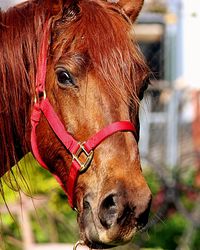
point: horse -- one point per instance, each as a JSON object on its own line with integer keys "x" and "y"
{"x": 71, "y": 81}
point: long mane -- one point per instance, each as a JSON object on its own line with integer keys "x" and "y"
{"x": 20, "y": 29}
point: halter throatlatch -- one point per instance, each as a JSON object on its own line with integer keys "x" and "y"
{"x": 42, "y": 106}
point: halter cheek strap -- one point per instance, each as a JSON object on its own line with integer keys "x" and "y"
{"x": 42, "y": 106}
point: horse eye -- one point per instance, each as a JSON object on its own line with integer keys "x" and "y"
{"x": 64, "y": 77}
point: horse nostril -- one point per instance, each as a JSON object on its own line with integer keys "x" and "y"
{"x": 108, "y": 211}
{"x": 108, "y": 202}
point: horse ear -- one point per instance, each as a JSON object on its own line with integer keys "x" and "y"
{"x": 131, "y": 7}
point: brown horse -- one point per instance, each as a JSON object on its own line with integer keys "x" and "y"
{"x": 75, "y": 67}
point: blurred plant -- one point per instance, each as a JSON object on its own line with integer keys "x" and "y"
{"x": 55, "y": 213}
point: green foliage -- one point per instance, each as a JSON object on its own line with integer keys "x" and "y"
{"x": 55, "y": 213}
{"x": 166, "y": 234}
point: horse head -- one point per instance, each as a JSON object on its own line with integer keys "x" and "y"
{"x": 95, "y": 77}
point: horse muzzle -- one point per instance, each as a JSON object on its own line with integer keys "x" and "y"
{"x": 114, "y": 221}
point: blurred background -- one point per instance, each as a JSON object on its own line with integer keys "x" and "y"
{"x": 38, "y": 217}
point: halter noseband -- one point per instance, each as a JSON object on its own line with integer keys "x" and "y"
{"x": 43, "y": 106}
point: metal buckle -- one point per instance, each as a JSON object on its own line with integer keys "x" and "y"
{"x": 40, "y": 95}
{"x": 89, "y": 156}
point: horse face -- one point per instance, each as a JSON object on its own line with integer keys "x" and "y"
{"x": 94, "y": 78}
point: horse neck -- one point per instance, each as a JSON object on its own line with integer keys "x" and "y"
{"x": 20, "y": 29}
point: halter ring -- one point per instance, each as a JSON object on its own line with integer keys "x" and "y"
{"x": 79, "y": 243}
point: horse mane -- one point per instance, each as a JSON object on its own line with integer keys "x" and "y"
{"x": 20, "y": 29}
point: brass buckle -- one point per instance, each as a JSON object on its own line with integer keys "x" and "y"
{"x": 89, "y": 156}
{"x": 41, "y": 95}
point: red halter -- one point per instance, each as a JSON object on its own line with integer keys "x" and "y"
{"x": 43, "y": 106}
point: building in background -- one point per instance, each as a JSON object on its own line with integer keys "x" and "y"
{"x": 167, "y": 32}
